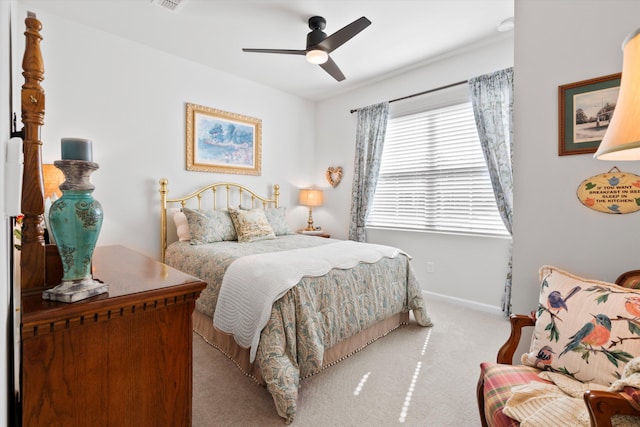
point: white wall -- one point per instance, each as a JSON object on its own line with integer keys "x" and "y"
{"x": 466, "y": 267}
{"x": 130, "y": 100}
{"x": 560, "y": 42}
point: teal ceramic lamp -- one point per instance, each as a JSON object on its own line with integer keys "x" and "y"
{"x": 75, "y": 220}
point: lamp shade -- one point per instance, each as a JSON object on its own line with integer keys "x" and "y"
{"x": 52, "y": 177}
{"x": 311, "y": 197}
{"x": 622, "y": 138}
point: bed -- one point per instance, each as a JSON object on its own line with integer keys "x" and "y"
{"x": 323, "y": 317}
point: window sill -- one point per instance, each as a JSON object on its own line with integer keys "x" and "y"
{"x": 450, "y": 233}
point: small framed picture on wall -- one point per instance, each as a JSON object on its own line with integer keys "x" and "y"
{"x": 585, "y": 109}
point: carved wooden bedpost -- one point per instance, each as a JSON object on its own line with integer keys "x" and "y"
{"x": 32, "y": 259}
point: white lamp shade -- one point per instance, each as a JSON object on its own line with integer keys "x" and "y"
{"x": 622, "y": 138}
{"x": 317, "y": 56}
{"x": 311, "y": 197}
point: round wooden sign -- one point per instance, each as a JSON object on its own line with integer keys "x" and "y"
{"x": 611, "y": 192}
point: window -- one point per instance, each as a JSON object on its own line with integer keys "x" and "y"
{"x": 433, "y": 175}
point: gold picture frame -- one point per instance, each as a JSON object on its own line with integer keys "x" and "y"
{"x": 223, "y": 142}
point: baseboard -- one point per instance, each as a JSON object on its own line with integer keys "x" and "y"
{"x": 493, "y": 309}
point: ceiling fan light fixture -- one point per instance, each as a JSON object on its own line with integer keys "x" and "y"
{"x": 319, "y": 45}
{"x": 317, "y": 56}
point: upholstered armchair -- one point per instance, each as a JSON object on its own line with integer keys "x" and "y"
{"x": 560, "y": 346}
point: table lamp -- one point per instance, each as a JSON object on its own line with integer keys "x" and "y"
{"x": 622, "y": 138}
{"x": 52, "y": 177}
{"x": 310, "y": 197}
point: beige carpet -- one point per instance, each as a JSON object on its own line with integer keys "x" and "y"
{"x": 412, "y": 377}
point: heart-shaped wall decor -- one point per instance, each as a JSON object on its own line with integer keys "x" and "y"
{"x": 334, "y": 175}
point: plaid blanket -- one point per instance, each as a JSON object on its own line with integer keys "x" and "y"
{"x": 632, "y": 394}
{"x": 502, "y": 382}
{"x": 498, "y": 381}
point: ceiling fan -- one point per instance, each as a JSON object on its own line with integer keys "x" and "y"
{"x": 319, "y": 45}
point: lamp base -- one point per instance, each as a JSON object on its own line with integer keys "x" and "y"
{"x": 310, "y": 226}
{"x": 75, "y": 290}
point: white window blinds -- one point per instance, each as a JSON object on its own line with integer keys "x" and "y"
{"x": 433, "y": 175}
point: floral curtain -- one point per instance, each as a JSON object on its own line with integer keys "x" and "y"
{"x": 372, "y": 125}
{"x": 492, "y": 99}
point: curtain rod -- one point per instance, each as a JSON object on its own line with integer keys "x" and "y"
{"x": 423, "y": 93}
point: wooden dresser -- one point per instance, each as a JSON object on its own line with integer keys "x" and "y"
{"x": 119, "y": 359}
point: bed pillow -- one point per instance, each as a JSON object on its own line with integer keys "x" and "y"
{"x": 225, "y": 225}
{"x": 182, "y": 225}
{"x": 209, "y": 226}
{"x": 586, "y": 329}
{"x": 278, "y": 220}
{"x": 251, "y": 225}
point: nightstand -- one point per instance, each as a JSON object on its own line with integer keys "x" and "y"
{"x": 120, "y": 358}
{"x": 325, "y": 235}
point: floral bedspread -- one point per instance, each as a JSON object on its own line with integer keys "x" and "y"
{"x": 315, "y": 315}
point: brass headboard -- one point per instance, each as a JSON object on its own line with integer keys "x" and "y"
{"x": 234, "y": 196}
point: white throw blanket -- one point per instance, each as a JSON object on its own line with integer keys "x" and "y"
{"x": 540, "y": 404}
{"x": 253, "y": 283}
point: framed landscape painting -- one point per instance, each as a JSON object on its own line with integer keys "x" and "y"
{"x": 585, "y": 109}
{"x": 218, "y": 141}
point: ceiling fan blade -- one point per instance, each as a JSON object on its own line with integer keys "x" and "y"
{"x": 285, "y": 51}
{"x": 343, "y": 35}
{"x": 331, "y": 68}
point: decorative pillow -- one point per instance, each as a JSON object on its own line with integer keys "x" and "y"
{"x": 278, "y": 220}
{"x": 209, "y": 226}
{"x": 586, "y": 329}
{"x": 251, "y": 225}
{"x": 182, "y": 225}
{"x": 225, "y": 225}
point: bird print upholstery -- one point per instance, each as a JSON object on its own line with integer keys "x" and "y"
{"x": 586, "y": 329}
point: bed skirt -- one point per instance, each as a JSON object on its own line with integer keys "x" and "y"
{"x": 203, "y": 326}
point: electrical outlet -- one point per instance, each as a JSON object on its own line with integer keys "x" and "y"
{"x": 430, "y": 267}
